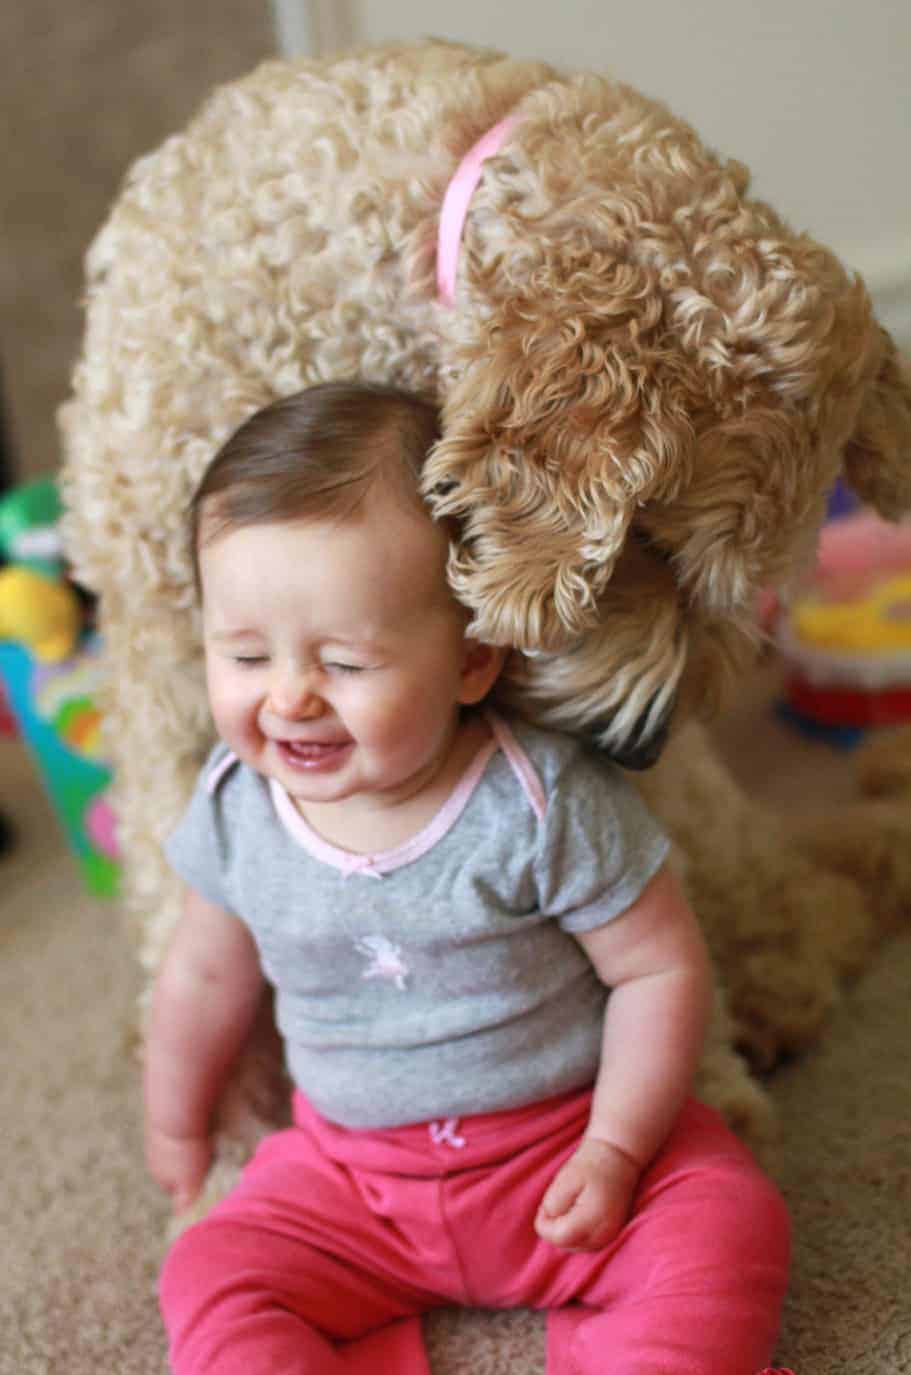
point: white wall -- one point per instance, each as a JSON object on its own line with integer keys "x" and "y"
{"x": 814, "y": 95}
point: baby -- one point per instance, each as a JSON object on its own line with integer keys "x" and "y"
{"x": 492, "y": 992}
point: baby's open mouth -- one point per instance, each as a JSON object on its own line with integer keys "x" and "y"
{"x": 310, "y": 754}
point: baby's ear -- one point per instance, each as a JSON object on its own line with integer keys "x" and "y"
{"x": 878, "y": 454}
{"x": 481, "y": 665}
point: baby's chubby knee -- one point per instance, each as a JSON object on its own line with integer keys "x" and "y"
{"x": 751, "y": 1218}
{"x": 183, "y": 1263}
{"x": 768, "y": 1212}
{"x": 708, "y": 1188}
{"x": 711, "y": 1182}
{"x": 198, "y": 1264}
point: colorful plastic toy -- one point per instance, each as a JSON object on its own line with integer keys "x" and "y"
{"x": 846, "y": 639}
{"x": 51, "y": 674}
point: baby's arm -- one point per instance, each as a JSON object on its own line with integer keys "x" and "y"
{"x": 654, "y": 960}
{"x": 204, "y": 1002}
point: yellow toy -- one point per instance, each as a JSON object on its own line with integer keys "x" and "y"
{"x": 874, "y": 621}
{"x": 40, "y": 613}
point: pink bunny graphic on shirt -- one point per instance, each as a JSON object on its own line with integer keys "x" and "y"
{"x": 386, "y": 960}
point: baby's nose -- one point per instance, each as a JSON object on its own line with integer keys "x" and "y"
{"x": 293, "y": 697}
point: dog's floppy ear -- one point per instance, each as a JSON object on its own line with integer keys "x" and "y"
{"x": 551, "y": 444}
{"x": 829, "y": 396}
{"x": 878, "y": 455}
{"x": 752, "y": 508}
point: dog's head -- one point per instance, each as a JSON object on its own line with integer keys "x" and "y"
{"x": 657, "y": 371}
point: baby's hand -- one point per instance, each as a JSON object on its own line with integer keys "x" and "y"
{"x": 178, "y": 1163}
{"x": 589, "y": 1200}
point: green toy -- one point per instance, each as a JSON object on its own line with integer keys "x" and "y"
{"x": 29, "y": 527}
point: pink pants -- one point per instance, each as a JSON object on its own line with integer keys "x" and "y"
{"x": 335, "y": 1241}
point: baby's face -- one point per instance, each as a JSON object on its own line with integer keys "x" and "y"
{"x": 335, "y": 651}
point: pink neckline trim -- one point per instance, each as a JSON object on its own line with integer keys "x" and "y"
{"x": 384, "y": 860}
{"x": 457, "y": 199}
{"x": 521, "y": 765}
{"x": 375, "y": 865}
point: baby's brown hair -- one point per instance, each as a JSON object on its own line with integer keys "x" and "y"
{"x": 315, "y": 454}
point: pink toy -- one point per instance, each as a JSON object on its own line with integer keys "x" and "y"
{"x": 861, "y": 548}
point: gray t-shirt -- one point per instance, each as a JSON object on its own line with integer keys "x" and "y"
{"x": 440, "y": 978}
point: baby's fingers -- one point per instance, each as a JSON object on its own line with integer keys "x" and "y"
{"x": 562, "y": 1194}
{"x": 586, "y": 1227}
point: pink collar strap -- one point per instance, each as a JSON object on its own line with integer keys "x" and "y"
{"x": 456, "y": 202}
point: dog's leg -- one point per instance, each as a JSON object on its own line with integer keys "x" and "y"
{"x": 785, "y": 923}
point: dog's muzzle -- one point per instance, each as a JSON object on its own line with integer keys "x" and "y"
{"x": 640, "y": 753}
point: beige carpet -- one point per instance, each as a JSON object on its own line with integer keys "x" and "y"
{"x": 83, "y": 1224}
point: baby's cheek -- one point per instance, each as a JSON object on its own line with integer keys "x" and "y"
{"x": 391, "y": 708}
{"x": 228, "y": 714}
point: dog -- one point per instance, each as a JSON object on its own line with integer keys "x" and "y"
{"x": 648, "y": 385}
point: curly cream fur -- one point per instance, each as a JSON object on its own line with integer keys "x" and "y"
{"x": 648, "y": 384}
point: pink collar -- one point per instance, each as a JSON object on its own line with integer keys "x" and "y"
{"x": 456, "y": 202}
